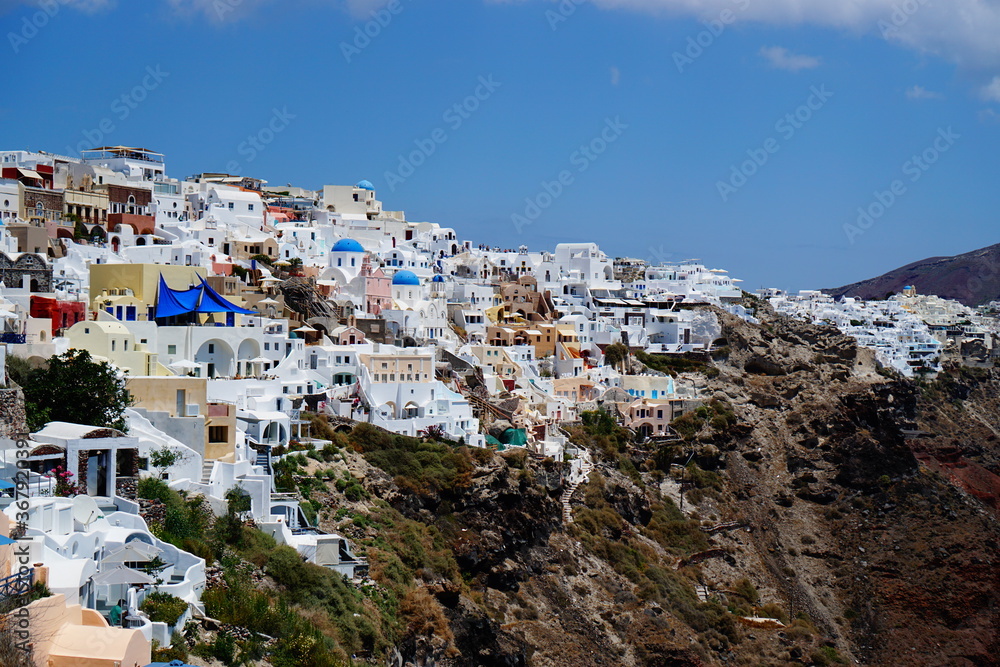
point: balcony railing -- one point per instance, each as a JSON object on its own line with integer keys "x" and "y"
{"x": 16, "y": 585}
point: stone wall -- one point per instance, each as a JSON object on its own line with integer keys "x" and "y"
{"x": 12, "y": 415}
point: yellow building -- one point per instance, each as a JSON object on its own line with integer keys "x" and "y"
{"x": 135, "y": 286}
{"x": 399, "y": 367}
{"x": 112, "y": 341}
{"x": 182, "y": 396}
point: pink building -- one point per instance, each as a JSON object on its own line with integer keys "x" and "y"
{"x": 378, "y": 290}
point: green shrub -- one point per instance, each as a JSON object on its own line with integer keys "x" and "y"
{"x": 417, "y": 466}
{"x": 176, "y": 651}
{"x": 746, "y": 590}
{"x": 163, "y": 607}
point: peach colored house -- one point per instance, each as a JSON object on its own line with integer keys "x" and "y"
{"x": 652, "y": 417}
{"x": 64, "y": 635}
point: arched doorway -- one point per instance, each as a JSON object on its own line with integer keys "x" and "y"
{"x": 218, "y": 358}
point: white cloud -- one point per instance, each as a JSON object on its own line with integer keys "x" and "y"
{"x": 781, "y": 58}
{"x": 616, "y": 76}
{"x": 921, "y": 93}
{"x": 961, "y": 31}
{"x": 991, "y": 91}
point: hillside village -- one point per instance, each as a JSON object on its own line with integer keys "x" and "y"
{"x": 250, "y": 322}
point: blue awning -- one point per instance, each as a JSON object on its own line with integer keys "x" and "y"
{"x": 213, "y": 302}
{"x": 171, "y": 302}
{"x": 200, "y": 299}
{"x": 4, "y": 541}
{"x": 4, "y": 484}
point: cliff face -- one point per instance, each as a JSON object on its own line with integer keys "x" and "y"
{"x": 858, "y": 509}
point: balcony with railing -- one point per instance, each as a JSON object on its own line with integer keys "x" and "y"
{"x": 16, "y": 585}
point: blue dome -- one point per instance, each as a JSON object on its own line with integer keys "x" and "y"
{"x": 438, "y": 279}
{"x": 405, "y": 278}
{"x": 347, "y": 245}
{"x": 365, "y": 185}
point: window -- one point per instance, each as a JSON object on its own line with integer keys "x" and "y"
{"x": 113, "y": 344}
{"x": 218, "y": 434}
{"x": 249, "y": 207}
{"x": 211, "y": 348}
{"x": 171, "y": 349}
{"x": 231, "y": 206}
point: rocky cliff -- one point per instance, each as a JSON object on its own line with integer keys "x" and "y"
{"x": 815, "y": 511}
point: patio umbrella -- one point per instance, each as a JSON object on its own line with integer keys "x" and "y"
{"x": 305, "y": 329}
{"x": 133, "y": 552}
{"x": 282, "y": 263}
{"x": 267, "y": 302}
{"x": 184, "y": 363}
{"x": 122, "y": 576}
{"x": 259, "y": 360}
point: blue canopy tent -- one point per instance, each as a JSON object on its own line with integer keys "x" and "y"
{"x": 171, "y": 303}
{"x": 213, "y": 302}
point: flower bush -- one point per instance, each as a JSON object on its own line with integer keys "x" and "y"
{"x": 65, "y": 487}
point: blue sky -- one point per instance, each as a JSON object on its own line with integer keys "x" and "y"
{"x": 664, "y": 131}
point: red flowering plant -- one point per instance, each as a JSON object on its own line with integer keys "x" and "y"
{"x": 65, "y": 487}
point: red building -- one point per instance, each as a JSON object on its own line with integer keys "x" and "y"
{"x": 64, "y": 314}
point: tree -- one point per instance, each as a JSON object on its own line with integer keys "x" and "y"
{"x": 75, "y": 388}
{"x": 615, "y": 354}
{"x": 163, "y": 458}
{"x": 238, "y": 502}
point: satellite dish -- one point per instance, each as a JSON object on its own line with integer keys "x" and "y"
{"x": 86, "y": 511}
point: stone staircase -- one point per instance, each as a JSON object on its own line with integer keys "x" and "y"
{"x": 585, "y": 469}
{"x": 206, "y": 471}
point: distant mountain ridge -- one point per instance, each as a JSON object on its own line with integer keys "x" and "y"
{"x": 972, "y": 278}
